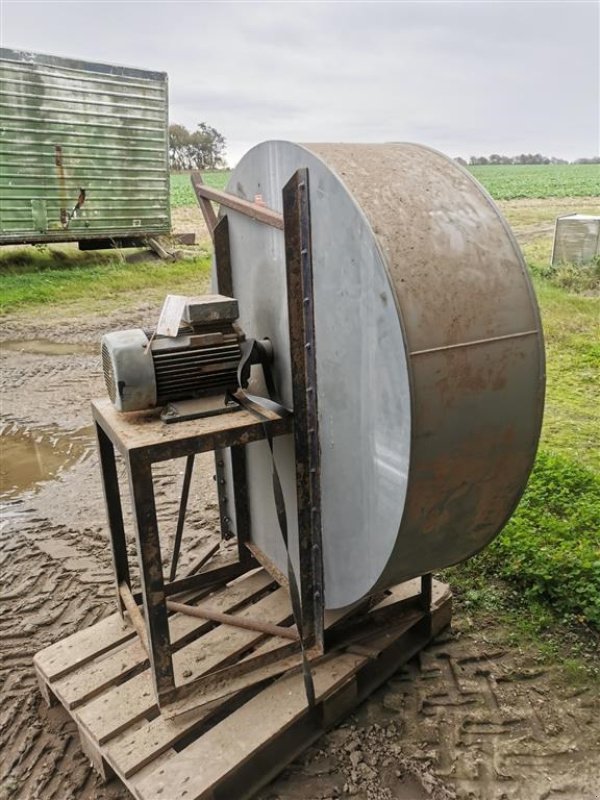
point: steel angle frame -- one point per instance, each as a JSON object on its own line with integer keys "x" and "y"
{"x": 300, "y": 295}
{"x": 296, "y": 225}
{"x": 140, "y": 448}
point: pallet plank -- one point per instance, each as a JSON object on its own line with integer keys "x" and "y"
{"x": 119, "y": 706}
{"x": 271, "y": 658}
{"x": 73, "y": 652}
{"x": 193, "y": 773}
{"x": 135, "y": 750}
{"x": 91, "y": 680}
{"x": 178, "y": 719}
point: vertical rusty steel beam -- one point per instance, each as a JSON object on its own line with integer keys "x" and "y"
{"x": 185, "y": 493}
{"x": 225, "y": 287}
{"x": 223, "y": 257}
{"x": 114, "y": 512}
{"x": 426, "y": 592}
{"x": 242, "y": 504}
{"x": 426, "y": 601}
{"x": 208, "y": 211}
{"x": 151, "y": 573}
{"x": 298, "y": 258}
{"x": 222, "y": 496}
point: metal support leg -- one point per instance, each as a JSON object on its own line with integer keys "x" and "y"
{"x": 114, "y": 512}
{"x": 223, "y": 257}
{"x": 224, "y": 501}
{"x": 185, "y": 493}
{"x": 242, "y": 506}
{"x": 153, "y": 592}
{"x": 426, "y": 587}
{"x": 298, "y": 258}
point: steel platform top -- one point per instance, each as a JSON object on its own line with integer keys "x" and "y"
{"x": 145, "y": 431}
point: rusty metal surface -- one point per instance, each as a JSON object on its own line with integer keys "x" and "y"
{"x": 429, "y": 357}
{"x": 84, "y": 150}
{"x": 303, "y": 359}
{"x": 202, "y": 612}
{"x": 461, "y": 285}
{"x": 255, "y": 211}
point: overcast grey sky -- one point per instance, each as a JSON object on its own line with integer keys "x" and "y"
{"x": 464, "y": 77}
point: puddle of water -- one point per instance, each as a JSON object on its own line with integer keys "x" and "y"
{"x": 44, "y": 347}
{"x": 30, "y": 457}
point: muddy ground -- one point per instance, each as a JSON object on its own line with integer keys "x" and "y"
{"x": 469, "y": 718}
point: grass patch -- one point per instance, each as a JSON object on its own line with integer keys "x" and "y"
{"x": 550, "y": 549}
{"x": 575, "y": 278}
{"x": 540, "y": 579}
{"x": 522, "y": 215}
{"x": 51, "y": 276}
{"x": 572, "y": 334}
{"x": 182, "y": 193}
{"x": 487, "y": 603}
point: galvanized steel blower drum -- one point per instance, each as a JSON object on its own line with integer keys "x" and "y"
{"x": 429, "y": 357}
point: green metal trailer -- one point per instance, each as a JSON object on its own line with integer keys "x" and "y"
{"x": 83, "y": 152}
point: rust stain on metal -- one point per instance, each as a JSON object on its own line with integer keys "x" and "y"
{"x": 62, "y": 188}
{"x": 471, "y": 492}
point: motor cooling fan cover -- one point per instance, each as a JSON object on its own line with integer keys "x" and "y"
{"x": 128, "y": 370}
{"x": 429, "y": 352}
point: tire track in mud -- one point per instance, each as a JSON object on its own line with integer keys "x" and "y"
{"x": 46, "y": 600}
{"x": 496, "y": 726}
{"x": 56, "y": 580}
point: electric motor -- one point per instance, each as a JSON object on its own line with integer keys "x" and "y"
{"x": 142, "y": 371}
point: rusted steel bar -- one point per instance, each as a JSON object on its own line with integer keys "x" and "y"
{"x": 135, "y": 615}
{"x": 211, "y": 577}
{"x": 426, "y": 592}
{"x": 151, "y": 573}
{"x": 260, "y": 213}
{"x": 299, "y": 274}
{"x": 241, "y": 501}
{"x": 230, "y": 619}
{"x": 206, "y": 556}
{"x": 208, "y": 211}
{"x": 114, "y": 511}
{"x": 185, "y": 493}
{"x": 223, "y": 257}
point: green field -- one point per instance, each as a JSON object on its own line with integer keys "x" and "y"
{"x": 545, "y": 180}
{"x": 502, "y": 182}
{"x": 182, "y": 193}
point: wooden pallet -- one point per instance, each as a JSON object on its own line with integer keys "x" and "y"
{"x": 237, "y": 742}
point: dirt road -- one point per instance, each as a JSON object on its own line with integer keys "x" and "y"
{"x": 469, "y": 718}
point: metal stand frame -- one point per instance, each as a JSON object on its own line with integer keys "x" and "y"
{"x": 142, "y": 440}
